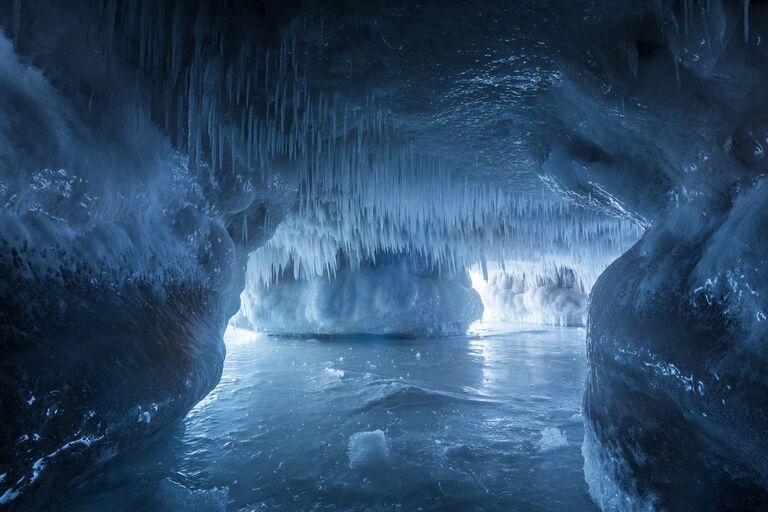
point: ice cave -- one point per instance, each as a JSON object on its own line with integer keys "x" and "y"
{"x": 384, "y": 255}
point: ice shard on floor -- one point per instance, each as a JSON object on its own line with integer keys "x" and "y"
{"x": 343, "y": 168}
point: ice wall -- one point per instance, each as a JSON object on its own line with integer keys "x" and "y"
{"x": 559, "y": 299}
{"x": 121, "y": 259}
{"x": 677, "y": 330}
{"x": 402, "y": 295}
{"x": 675, "y": 333}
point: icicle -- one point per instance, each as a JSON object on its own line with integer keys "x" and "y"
{"x": 176, "y": 39}
{"x": 245, "y": 228}
{"x": 16, "y": 21}
{"x": 633, "y": 62}
{"x": 746, "y": 21}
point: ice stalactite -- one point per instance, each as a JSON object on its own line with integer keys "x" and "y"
{"x": 746, "y": 21}
{"x": 391, "y": 204}
{"x": 450, "y": 226}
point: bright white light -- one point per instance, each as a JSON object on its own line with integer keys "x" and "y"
{"x": 234, "y": 335}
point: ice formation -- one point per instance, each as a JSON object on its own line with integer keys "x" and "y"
{"x": 398, "y": 294}
{"x": 697, "y": 372}
{"x": 559, "y": 299}
{"x": 552, "y": 438}
{"x": 368, "y": 449}
{"x": 150, "y": 149}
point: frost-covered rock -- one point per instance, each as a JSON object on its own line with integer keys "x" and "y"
{"x": 398, "y": 295}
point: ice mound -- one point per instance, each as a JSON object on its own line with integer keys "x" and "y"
{"x": 396, "y": 294}
{"x": 551, "y": 439}
{"x": 367, "y": 449}
{"x": 556, "y": 298}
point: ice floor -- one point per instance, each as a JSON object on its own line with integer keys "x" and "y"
{"x": 490, "y": 421}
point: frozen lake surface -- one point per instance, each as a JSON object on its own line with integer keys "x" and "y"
{"x": 490, "y": 421}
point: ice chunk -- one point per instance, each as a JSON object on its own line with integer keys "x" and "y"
{"x": 552, "y": 438}
{"x": 367, "y": 449}
{"x": 334, "y": 373}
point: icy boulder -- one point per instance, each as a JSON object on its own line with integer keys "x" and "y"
{"x": 397, "y": 295}
{"x": 676, "y": 394}
{"x": 556, "y": 298}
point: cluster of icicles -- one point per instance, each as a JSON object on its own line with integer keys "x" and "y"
{"x": 242, "y": 106}
{"x": 451, "y": 225}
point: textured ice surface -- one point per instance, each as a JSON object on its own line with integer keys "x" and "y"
{"x": 603, "y": 472}
{"x": 551, "y": 439}
{"x": 554, "y": 298}
{"x": 172, "y": 496}
{"x": 677, "y": 363}
{"x": 399, "y": 295}
{"x": 462, "y": 426}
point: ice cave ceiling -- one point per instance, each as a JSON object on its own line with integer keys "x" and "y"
{"x": 151, "y": 150}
